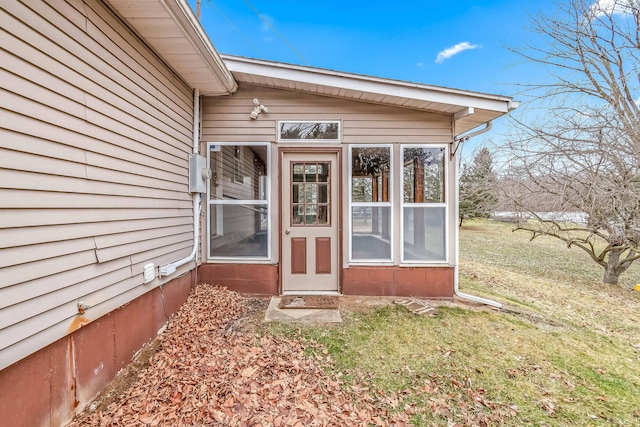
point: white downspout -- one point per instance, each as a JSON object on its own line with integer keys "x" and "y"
{"x": 456, "y": 273}
{"x": 169, "y": 269}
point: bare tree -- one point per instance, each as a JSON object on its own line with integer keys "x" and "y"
{"x": 583, "y": 153}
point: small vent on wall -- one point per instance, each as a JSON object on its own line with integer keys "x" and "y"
{"x": 149, "y": 273}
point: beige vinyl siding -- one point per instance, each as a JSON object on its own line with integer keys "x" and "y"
{"x": 35, "y": 218}
{"x": 227, "y": 119}
{"x": 95, "y": 133}
{"x": 19, "y": 236}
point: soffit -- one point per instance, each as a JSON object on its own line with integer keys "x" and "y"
{"x": 171, "y": 29}
{"x": 470, "y": 109}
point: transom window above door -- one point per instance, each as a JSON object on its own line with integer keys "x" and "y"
{"x": 310, "y": 201}
{"x": 291, "y": 131}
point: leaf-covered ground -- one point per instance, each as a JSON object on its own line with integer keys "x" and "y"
{"x": 208, "y": 373}
{"x": 566, "y": 353}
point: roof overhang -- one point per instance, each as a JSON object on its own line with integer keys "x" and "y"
{"x": 468, "y": 109}
{"x": 172, "y": 30}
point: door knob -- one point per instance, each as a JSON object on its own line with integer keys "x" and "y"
{"x": 288, "y": 231}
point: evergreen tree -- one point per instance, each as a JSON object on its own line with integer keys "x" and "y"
{"x": 478, "y": 192}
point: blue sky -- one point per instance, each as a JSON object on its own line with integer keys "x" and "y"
{"x": 460, "y": 44}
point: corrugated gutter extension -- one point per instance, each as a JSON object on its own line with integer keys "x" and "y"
{"x": 166, "y": 270}
{"x": 456, "y": 273}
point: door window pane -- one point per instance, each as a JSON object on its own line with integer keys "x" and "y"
{"x": 297, "y": 193}
{"x": 310, "y": 193}
{"x": 323, "y": 172}
{"x": 310, "y": 214}
{"x": 310, "y": 204}
{"x": 323, "y": 215}
{"x": 297, "y": 214}
{"x": 310, "y": 173}
{"x": 298, "y": 173}
{"x": 323, "y": 193}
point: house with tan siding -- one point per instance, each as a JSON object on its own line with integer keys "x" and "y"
{"x": 354, "y": 181}
{"x": 135, "y": 162}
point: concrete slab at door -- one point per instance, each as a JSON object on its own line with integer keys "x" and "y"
{"x": 310, "y": 208}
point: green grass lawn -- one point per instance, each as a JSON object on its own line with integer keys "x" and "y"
{"x": 566, "y": 353}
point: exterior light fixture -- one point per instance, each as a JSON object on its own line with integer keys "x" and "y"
{"x": 257, "y": 109}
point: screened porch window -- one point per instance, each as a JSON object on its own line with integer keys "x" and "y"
{"x": 423, "y": 204}
{"x": 238, "y": 201}
{"x": 371, "y": 221}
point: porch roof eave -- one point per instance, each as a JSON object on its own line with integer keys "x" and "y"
{"x": 171, "y": 29}
{"x": 468, "y": 109}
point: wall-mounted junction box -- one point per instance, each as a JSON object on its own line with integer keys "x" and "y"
{"x": 198, "y": 174}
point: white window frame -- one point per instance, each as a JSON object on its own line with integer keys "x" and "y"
{"x": 389, "y": 204}
{"x": 337, "y": 140}
{"x": 211, "y": 147}
{"x": 447, "y": 200}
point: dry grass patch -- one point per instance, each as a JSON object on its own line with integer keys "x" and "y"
{"x": 484, "y": 368}
{"x": 566, "y": 353}
{"x": 544, "y": 277}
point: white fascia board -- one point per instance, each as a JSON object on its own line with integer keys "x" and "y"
{"x": 188, "y": 25}
{"x": 185, "y": 18}
{"x": 368, "y": 84}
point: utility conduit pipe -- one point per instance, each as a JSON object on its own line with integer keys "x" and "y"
{"x": 168, "y": 269}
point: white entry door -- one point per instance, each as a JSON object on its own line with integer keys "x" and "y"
{"x": 310, "y": 222}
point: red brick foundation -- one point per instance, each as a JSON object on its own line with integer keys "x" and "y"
{"x": 244, "y": 278}
{"x": 430, "y": 282}
{"x": 46, "y": 387}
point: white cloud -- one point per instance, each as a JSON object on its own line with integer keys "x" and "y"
{"x": 266, "y": 22}
{"x": 454, "y": 50}
{"x": 610, "y": 7}
{"x": 420, "y": 64}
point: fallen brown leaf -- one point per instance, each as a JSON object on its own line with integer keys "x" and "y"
{"x": 208, "y": 373}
